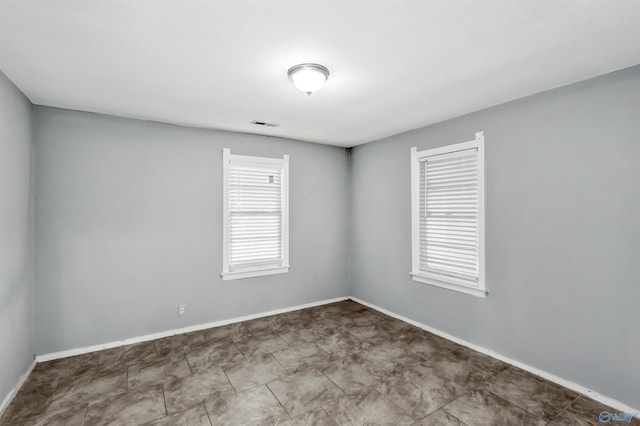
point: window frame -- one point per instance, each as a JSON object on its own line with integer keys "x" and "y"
{"x": 267, "y": 162}
{"x": 441, "y": 280}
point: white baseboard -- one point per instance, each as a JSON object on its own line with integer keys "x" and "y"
{"x": 7, "y": 399}
{"x": 622, "y": 407}
{"x": 169, "y": 333}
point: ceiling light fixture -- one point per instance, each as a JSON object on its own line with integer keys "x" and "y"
{"x": 308, "y": 78}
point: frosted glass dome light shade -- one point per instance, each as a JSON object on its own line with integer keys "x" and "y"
{"x": 308, "y": 78}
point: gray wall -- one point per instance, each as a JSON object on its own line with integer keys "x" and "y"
{"x": 563, "y": 238}
{"x": 16, "y": 330}
{"x": 128, "y": 224}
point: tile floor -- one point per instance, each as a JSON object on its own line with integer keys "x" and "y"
{"x": 338, "y": 364}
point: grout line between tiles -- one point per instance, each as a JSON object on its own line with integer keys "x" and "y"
{"x": 373, "y": 389}
{"x": 188, "y": 363}
{"x": 444, "y": 407}
{"x": 514, "y": 404}
{"x": 443, "y": 410}
{"x": 274, "y": 395}
{"x": 238, "y": 349}
{"x": 207, "y": 411}
{"x": 539, "y": 380}
{"x": 565, "y": 407}
{"x": 387, "y": 398}
{"x": 164, "y": 398}
{"x": 229, "y": 380}
{"x": 280, "y": 364}
{"x": 329, "y": 378}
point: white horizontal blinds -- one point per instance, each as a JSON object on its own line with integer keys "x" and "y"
{"x": 449, "y": 214}
{"x": 255, "y": 213}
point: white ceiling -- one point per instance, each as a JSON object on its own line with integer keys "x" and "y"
{"x": 395, "y": 65}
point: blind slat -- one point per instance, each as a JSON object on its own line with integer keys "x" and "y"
{"x": 449, "y": 206}
{"x": 255, "y": 209}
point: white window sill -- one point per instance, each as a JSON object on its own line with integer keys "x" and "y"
{"x": 459, "y": 287}
{"x": 237, "y": 275}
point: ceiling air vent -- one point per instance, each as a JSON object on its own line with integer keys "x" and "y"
{"x": 262, "y": 123}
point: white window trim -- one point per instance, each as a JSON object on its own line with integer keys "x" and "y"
{"x": 446, "y": 281}
{"x": 226, "y": 273}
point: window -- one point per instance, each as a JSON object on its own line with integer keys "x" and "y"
{"x": 447, "y": 217}
{"x": 256, "y": 216}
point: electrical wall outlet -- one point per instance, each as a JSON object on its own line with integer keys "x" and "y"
{"x": 182, "y": 310}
